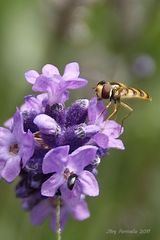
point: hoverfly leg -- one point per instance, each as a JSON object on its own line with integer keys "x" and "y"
{"x": 127, "y": 115}
{"x": 116, "y": 107}
{"x": 108, "y": 105}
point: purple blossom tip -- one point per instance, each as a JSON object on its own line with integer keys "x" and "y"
{"x": 46, "y": 124}
{"x": 31, "y": 76}
{"x": 55, "y": 85}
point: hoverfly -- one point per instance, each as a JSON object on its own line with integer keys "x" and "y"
{"x": 115, "y": 92}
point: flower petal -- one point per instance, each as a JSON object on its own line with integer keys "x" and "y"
{"x": 4, "y": 153}
{"x": 76, "y": 83}
{"x": 2, "y": 164}
{"x": 57, "y": 93}
{"x": 42, "y": 97}
{"x": 18, "y": 131}
{"x": 81, "y": 157}
{"x": 41, "y": 211}
{"x": 71, "y": 195}
{"x": 80, "y": 210}
{"x": 27, "y": 147}
{"x": 96, "y": 111}
{"x": 91, "y": 110}
{"x": 32, "y": 104}
{"x": 50, "y": 70}
{"x": 112, "y": 128}
{"x": 89, "y": 183}
{"x": 54, "y": 160}
{"x": 11, "y": 169}
{"x": 71, "y": 71}
{"x": 64, "y": 96}
{"x": 9, "y": 123}
{"x": 90, "y": 130}
{"x": 42, "y": 83}
{"x": 6, "y": 137}
{"x": 115, "y": 143}
{"x": 54, "y": 87}
{"x": 50, "y": 186}
{"x": 31, "y": 76}
{"x": 46, "y": 124}
{"x": 101, "y": 140}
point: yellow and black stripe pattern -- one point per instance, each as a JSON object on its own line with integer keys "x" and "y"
{"x": 124, "y": 92}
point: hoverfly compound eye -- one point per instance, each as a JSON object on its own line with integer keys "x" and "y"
{"x": 99, "y": 88}
{"x": 106, "y": 90}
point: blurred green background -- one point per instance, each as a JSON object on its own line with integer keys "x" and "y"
{"x": 112, "y": 40}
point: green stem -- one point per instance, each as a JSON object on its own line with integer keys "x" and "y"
{"x": 58, "y": 218}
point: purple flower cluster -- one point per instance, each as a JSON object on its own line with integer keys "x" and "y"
{"x": 55, "y": 150}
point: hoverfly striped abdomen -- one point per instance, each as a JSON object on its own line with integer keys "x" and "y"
{"x": 143, "y": 94}
{"x": 133, "y": 93}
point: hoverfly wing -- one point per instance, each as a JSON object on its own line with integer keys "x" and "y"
{"x": 118, "y": 85}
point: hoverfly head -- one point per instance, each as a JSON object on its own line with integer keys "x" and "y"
{"x": 99, "y": 89}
